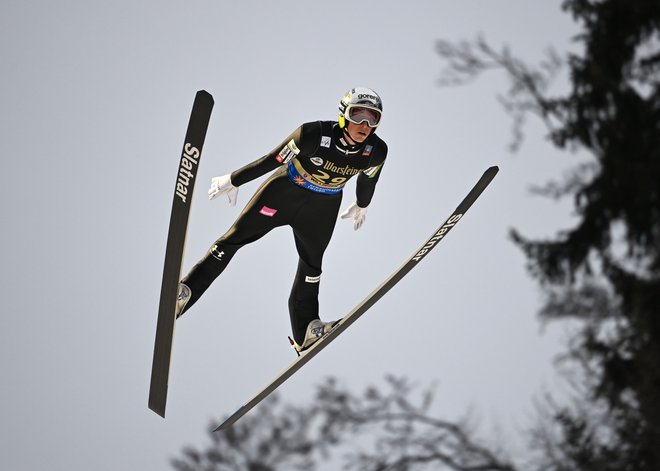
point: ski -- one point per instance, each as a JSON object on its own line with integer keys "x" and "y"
{"x": 176, "y": 239}
{"x": 369, "y": 301}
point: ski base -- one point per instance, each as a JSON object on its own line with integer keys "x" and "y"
{"x": 176, "y": 239}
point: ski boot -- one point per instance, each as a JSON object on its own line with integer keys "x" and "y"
{"x": 315, "y": 330}
{"x": 182, "y": 296}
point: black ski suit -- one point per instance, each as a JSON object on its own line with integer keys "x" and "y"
{"x": 311, "y": 168}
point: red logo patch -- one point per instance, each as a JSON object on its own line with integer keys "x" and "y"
{"x": 266, "y": 211}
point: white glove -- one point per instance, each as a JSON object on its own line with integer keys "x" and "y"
{"x": 222, "y": 185}
{"x": 358, "y": 214}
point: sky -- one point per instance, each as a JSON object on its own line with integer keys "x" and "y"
{"x": 95, "y": 100}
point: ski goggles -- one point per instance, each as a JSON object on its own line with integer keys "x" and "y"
{"x": 357, "y": 114}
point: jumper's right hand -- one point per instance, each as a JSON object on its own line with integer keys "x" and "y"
{"x": 221, "y": 186}
{"x": 356, "y": 213}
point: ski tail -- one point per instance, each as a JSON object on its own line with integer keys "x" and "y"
{"x": 176, "y": 239}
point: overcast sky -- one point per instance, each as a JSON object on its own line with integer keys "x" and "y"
{"x": 95, "y": 99}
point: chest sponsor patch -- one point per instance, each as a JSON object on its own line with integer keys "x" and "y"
{"x": 316, "y": 183}
{"x": 325, "y": 141}
{"x": 318, "y": 161}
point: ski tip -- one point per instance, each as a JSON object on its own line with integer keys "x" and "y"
{"x": 493, "y": 169}
{"x": 204, "y": 95}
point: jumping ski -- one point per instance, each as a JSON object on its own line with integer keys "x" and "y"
{"x": 176, "y": 239}
{"x": 370, "y": 300}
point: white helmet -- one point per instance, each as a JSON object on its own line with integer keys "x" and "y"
{"x": 360, "y": 104}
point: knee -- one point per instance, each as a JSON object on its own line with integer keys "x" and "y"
{"x": 218, "y": 251}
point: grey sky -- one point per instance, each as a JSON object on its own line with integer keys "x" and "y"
{"x": 95, "y": 100}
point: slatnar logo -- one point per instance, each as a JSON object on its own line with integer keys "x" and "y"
{"x": 189, "y": 158}
{"x": 438, "y": 236}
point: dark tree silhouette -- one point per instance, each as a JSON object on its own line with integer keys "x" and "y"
{"x": 605, "y": 271}
{"x": 391, "y": 425}
{"x": 278, "y": 437}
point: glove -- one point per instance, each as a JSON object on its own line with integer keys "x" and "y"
{"x": 221, "y": 186}
{"x": 358, "y": 214}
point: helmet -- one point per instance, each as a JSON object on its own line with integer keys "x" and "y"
{"x": 360, "y": 104}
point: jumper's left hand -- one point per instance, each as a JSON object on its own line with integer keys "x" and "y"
{"x": 358, "y": 214}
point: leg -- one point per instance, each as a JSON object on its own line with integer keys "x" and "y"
{"x": 250, "y": 226}
{"x": 313, "y": 229}
{"x": 303, "y": 301}
{"x": 208, "y": 269}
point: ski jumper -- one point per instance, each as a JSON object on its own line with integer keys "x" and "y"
{"x": 311, "y": 166}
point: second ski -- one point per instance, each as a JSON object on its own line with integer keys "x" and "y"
{"x": 370, "y": 300}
